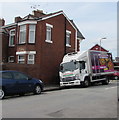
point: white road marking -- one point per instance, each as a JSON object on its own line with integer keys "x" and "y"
{"x": 110, "y": 88}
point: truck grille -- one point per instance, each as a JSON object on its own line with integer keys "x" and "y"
{"x": 67, "y": 79}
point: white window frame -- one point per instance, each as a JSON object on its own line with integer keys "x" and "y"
{"x": 12, "y": 35}
{"x": 68, "y": 38}
{"x": 31, "y": 60}
{"x": 34, "y": 31}
{"x": 49, "y": 33}
{"x": 21, "y": 60}
{"x": 9, "y": 59}
{"x": 22, "y": 30}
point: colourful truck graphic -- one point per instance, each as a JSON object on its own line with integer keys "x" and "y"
{"x": 101, "y": 62}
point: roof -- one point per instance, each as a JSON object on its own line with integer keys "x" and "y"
{"x": 3, "y": 30}
{"x": 98, "y": 47}
{"x": 79, "y": 34}
{"x": 43, "y": 16}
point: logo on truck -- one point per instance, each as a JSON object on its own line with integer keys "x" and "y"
{"x": 101, "y": 62}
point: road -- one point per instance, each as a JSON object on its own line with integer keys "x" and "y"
{"x": 99, "y": 101}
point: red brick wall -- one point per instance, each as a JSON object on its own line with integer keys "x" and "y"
{"x": 48, "y": 55}
{"x": 4, "y": 50}
{"x": 32, "y": 70}
{"x": 51, "y": 54}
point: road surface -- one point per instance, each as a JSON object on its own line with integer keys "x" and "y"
{"x": 99, "y": 101}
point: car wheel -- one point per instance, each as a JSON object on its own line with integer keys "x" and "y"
{"x": 2, "y": 94}
{"x": 37, "y": 89}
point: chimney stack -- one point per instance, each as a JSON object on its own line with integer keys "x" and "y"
{"x": 2, "y": 22}
{"x": 18, "y": 19}
{"x": 38, "y": 13}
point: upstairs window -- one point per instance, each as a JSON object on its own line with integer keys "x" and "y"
{"x": 32, "y": 33}
{"x": 49, "y": 33}
{"x": 22, "y": 36}
{"x": 12, "y": 38}
{"x": 68, "y": 38}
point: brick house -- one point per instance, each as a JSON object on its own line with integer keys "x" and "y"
{"x": 38, "y": 42}
{"x": 3, "y": 42}
{"x": 98, "y": 48}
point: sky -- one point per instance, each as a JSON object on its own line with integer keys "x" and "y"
{"x": 95, "y": 20}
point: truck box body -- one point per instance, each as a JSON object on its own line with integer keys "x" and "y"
{"x": 91, "y": 66}
{"x": 101, "y": 63}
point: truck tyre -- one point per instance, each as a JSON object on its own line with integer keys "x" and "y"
{"x": 105, "y": 82}
{"x": 116, "y": 78}
{"x": 86, "y": 83}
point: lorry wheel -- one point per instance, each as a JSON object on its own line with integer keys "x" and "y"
{"x": 105, "y": 82}
{"x": 86, "y": 83}
{"x": 116, "y": 78}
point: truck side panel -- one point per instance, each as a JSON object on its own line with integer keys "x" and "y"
{"x": 101, "y": 62}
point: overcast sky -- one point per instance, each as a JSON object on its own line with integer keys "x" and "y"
{"x": 95, "y": 20}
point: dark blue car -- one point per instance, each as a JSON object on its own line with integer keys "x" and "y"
{"x": 14, "y": 82}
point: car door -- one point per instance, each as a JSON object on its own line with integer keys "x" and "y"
{"x": 23, "y": 83}
{"x": 9, "y": 83}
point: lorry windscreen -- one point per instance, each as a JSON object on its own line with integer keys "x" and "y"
{"x": 69, "y": 66}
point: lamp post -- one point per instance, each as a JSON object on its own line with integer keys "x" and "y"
{"x": 100, "y": 41}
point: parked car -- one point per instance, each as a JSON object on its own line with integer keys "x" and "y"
{"x": 14, "y": 82}
{"x": 116, "y": 75}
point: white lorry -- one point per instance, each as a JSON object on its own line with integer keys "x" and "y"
{"x": 84, "y": 68}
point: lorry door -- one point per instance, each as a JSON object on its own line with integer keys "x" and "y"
{"x": 83, "y": 69}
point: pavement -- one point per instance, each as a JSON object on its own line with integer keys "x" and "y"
{"x": 51, "y": 87}
{"x": 57, "y": 87}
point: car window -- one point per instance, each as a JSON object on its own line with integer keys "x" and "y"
{"x": 6, "y": 75}
{"x": 20, "y": 76}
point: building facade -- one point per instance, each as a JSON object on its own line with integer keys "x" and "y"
{"x": 98, "y": 48}
{"x": 38, "y": 42}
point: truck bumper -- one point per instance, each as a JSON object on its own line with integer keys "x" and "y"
{"x": 70, "y": 83}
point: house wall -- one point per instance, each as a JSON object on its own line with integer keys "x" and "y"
{"x": 25, "y": 68}
{"x": 4, "y": 48}
{"x": 48, "y": 55}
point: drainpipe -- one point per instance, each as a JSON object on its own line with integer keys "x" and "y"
{"x": 65, "y": 36}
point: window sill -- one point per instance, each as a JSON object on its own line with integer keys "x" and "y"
{"x": 10, "y": 61}
{"x": 48, "y": 41}
{"x": 11, "y": 45}
{"x": 67, "y": 45}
